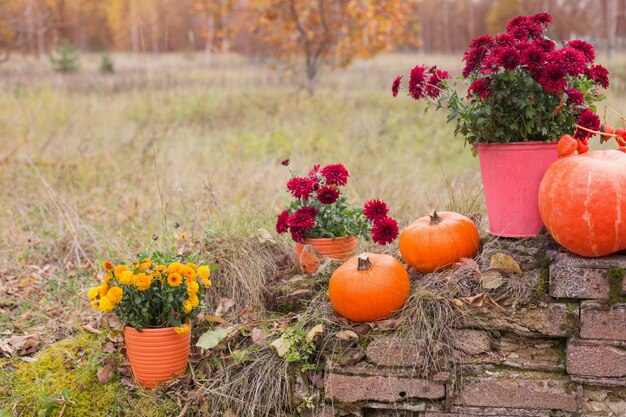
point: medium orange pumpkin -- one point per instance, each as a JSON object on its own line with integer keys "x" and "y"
{"x": 582, "y": 201}
{"x": 438, "y": 241}
{"x": 369, "y": 287}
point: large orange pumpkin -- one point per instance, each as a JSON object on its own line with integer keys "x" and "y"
{"x": 438, "y": 241}
{"x": 582, "y": 200}
{"x": 369, "y": 287}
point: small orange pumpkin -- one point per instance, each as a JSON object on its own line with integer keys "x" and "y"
{"x": 438, "y": 241}
{"x": 369, "y": 287}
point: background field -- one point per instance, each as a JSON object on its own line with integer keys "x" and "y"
{"x": 95, "y": 166}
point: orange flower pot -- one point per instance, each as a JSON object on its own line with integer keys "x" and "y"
{"x": 156, "y": 355}
{"x": 337, "y": 248}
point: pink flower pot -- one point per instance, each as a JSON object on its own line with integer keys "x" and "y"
{"x": 511, "y": 175}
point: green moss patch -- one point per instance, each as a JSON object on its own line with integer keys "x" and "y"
{"x": 63, "y": 381}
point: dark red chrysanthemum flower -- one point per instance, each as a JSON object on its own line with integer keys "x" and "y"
{"x": 304, "y": 217}
{"x": 473, "y": 60}
{"x": 375, "y": 210}
{"x": 417, "y": 82}
{"x": 599, "y": 74}
{"x": 572, "y": 60}
{"x": 300, "y": 187}
{"x": 336, "y": 174}
{"x": 480, "y": 87}
{"x": 587, "y": 119}
{"x": 313, "y": 172}
{"x": 285, "y": 163}
{"x": 395, "y": 87}
{"x": 508, "y": 57}
{"x": 327, "y": 194}
{"x": 533, "y": 57}
{"x": 585, "y": 47}
{"x": 484, "y": 40}
{"x": 542, "y": 18}
{"x": 523, "y": 27}
{"x": 298, "y": 234}
{"x": 574, "y": 97}
{"x": 282, "y": 223}
{"x": 433, "y": 88}
{"x": 546, "y": 44}
{"x": 385, "y": 231}
{"x": 552, "y": 78}
{"x": 505, "y": 39}
{"x": 516, "y": 22}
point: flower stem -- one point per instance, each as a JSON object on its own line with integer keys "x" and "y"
{"x": 364, "y": 262}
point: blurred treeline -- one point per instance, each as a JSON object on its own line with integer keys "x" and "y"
{"x": 35, "y": 26}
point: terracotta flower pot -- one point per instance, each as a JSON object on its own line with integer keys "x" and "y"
{"x": 337, "y": 248}
{"x": 156, "y": 355}
{"x": 511, "y": 175}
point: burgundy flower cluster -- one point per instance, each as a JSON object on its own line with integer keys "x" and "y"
{"x": 320, "y": 184}
{"x": 315, "y": 196}
{"x": 523, "y": 46}
{"x": 384, "y": 229}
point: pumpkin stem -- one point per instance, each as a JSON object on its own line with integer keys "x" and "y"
{"x": 364, "y": 262}
{"x": 434, "y": 218}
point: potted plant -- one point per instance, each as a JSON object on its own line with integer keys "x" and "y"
{"x": 156, "y": 298}
{"x": 523, "y": 94}
{"x": 320, "y": 215}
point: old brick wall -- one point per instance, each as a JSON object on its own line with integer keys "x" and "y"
{"x": 562, "y": 356}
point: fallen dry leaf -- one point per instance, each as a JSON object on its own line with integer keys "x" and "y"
{"x": 224, "y": 305}
{"x": 505, "y": 262}
{"x": 317, "y": 329}
{"x": 20, "y": 345}
{"x": 105, "y": 373}
{"x": 258, "y": 336}
{"x": 346, "y": 335}
{"x": 491, "y": 279}
{"x": 481, "y": 299}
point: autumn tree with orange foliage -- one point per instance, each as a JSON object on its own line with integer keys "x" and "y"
{"x": 330, "y": 32}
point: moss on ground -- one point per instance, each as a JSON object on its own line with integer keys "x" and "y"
{"x": 63, "y": 381}
{"x": 616, "y": 277}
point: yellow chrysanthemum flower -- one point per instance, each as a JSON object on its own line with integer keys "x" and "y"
{"x": 182, "y": 329}
{"x": 174, "y": 267}
{"x": 103, "y": 289}
{"x": 142, "y": 281}
{"x": 93, "y": 293}
{"x": 192, "y": 288}
{"x": 188, "y": 272}
{"x": 126, "y": 277}
{"x": 146, "y": 261}
{"x": 105, "y": 304}
{"x": 174, "y": 279}
{"x": 207, "y": 283}
{"x": 187, "y": 307}
{"x": 144, "y": 266}
{"x": 108, "y": 265}
{"x": 95, "y": 304}
{"x": 193, "y": 299}
{"x": 118, "y": 270}
{"x": 204, "y": 272}
{"x": 115, "y": 294}
{"x": 160, "y": 268}
{"x": 192, "y": 265}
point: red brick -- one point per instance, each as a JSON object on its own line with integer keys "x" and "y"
{"x": 596, "y": 358}
{"x": 542, "y": 391}
{"x": 350, "y": 389}
{"x": 572, "y": 276}
{"x": 603, "y": 322}
{"x": 487, "y": 412}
